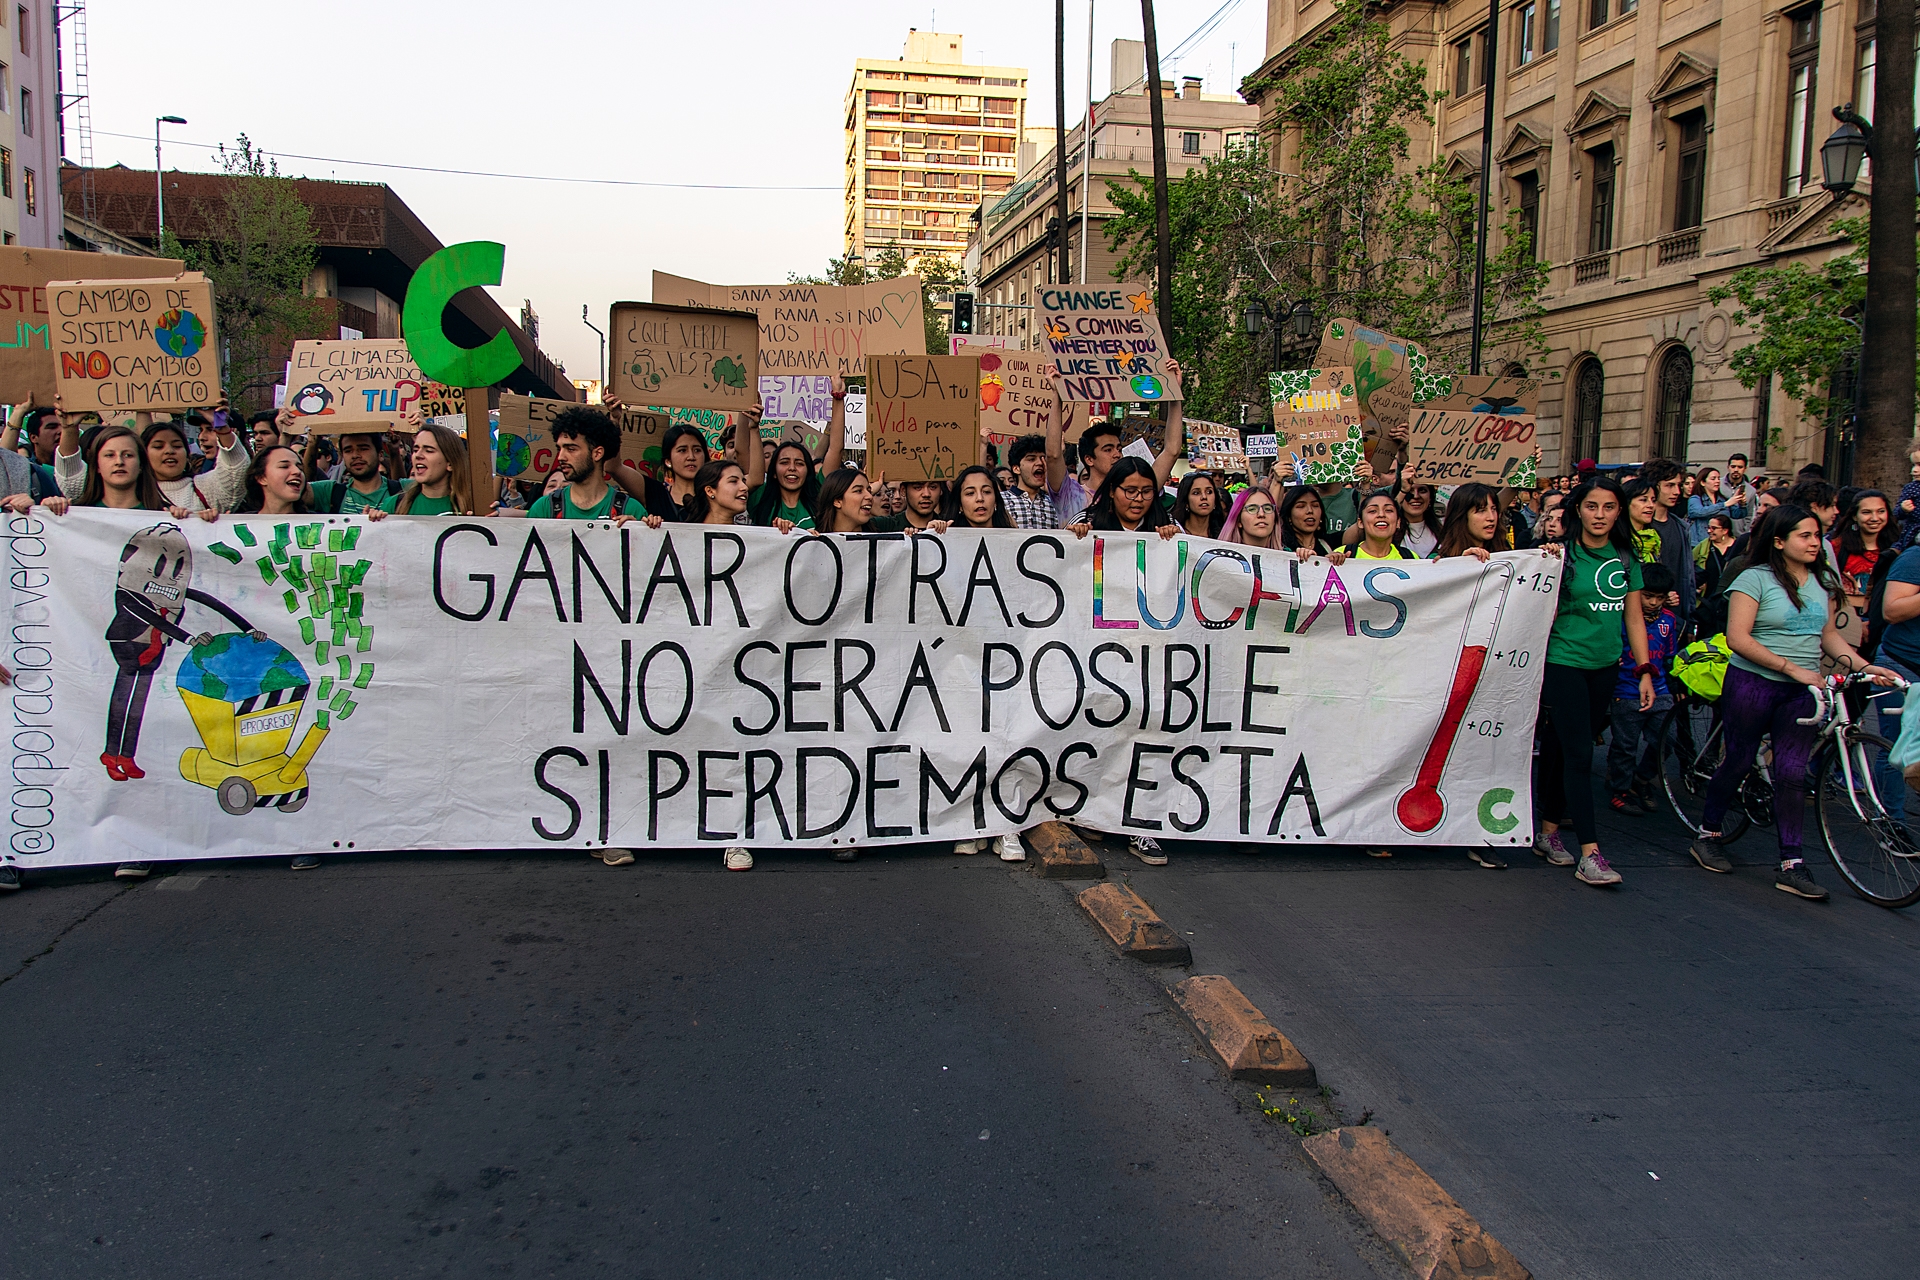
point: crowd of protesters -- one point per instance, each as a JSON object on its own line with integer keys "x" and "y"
{"x": 1788, "y": 572}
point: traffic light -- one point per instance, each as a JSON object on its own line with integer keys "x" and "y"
{"x": 963, "y": 313}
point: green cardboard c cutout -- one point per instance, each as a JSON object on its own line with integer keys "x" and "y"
{"x": 456, "y": 267}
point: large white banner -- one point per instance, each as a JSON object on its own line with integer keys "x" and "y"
{"x": 273, "y": 686}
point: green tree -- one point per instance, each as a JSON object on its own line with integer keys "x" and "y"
{"x": 256, "y": 244}
{"x": 1806, "y": 321}
{"x": 939, "y": 274}
{"x": 1353, "y": 227}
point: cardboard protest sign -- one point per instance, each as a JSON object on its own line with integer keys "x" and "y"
{"x": 806, "y": 396}
{"x": 923, "y": 416}
{"x": 27, "y": 364}
{"x": 715, "y": 426}
{"x": 524, "y": 450}
{"x": 856, "y": 410}
{"x": 1317, "y": 419}
{"x": 1106, "y": 344}
{"x": 1467, "y": 393}
{"x": 815, "y": 328}
{"x": 1384, "y": 369}
{"x": 1449, "y": 447}
{"x": 338, "y": 386}
{"x": 1263, "y": 445}
{"x": 135, "y": 344}
{"x": 438, "y": 400}
{"x": 687, "y": 357}
{"x": 1219, "y": 451}
{"x": 960, "y": 344}
{"x": 798, "y": 430}
{"x": 1015, "y": 399}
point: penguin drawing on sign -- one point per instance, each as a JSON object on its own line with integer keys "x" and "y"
{"x": 312, "y": 399}
{"x": 149, "y": 601}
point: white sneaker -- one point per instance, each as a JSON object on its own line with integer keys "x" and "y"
{"x": 616, "y": 857}
{"x": 1010, "y": 849}
{"x": 1147, "y": 849}
{"x": 968, "y": 846}
{"x": 737, "y": 859}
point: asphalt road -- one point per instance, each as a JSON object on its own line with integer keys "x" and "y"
{"x": 1691, "y": 1076}
{"x": 915, "y": 1065}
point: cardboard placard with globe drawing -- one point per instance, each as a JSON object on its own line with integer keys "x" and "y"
{"x": 524, "y": 450}
{"x": 686, "y": 357}
{"x": 27, "y": 366}
{"x": 135, "y": 344}
{"x": 1106, "y": 344}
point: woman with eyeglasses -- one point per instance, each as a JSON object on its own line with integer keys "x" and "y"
{"x": 1254, "y": 520}
{"x": 1127, "y": 501}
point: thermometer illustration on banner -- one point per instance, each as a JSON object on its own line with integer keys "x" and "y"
{"x": 1421, "y": 806}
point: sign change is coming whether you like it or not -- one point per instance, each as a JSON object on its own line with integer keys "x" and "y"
{"x": 1106, "y": 345}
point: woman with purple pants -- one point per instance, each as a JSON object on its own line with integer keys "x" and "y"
{"x": 1779, "y": 621}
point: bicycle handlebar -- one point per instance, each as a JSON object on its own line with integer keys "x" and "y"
{"x": 1823, "y": 694}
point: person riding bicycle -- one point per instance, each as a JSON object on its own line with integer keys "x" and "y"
{"x": 1779, "y": 620}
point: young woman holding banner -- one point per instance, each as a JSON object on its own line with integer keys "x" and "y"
{"x": 1199, "y": 506}
{"x": 1127, "y": 501}
{"x": 1301, "y": 519}
{"x": 439, "y": 486}
{"x": 276, "y": 484}
{"x": 1472, "y": 526}
{"x": 973, "y": 502}
{"x": 1254, "y": 520}
{"x": 846, "y": 505}
{"x": 1419, "y": 518}
{"x": 1380, "y": 529}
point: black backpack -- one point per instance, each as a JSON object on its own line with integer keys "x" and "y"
{"x": 556, "y": 510}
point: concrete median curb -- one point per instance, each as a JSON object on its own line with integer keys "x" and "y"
{"x": 1064, "y": 855}
{"x": 1133, "y": 925}
{"x": 1409, "y": 1210}
{"x": 1249, "y": 1045}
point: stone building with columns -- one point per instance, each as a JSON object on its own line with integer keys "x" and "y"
{"x": 1656, "y": 147}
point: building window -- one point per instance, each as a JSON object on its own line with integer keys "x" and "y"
{"x": 26, "y": 112}
{"x": 1524, "y": 21}
{"x": 1600, "y": 202}
{"x": 1529, "y": 184}
{"x": 1589, "y": 393}
{"x": 1675, "y": 413}
{"x": 1762, "y": 419}
{"x": 6, "y": 173}
{"x": 1803, "y": 55}
{"x": 1550, "y": 29}
{"x": 1600, "y": 12}
{"x": 1462, "y": 67}
{"x": 25, "y": 24}
{"x": 1189, "y": 144}
{"x": 27, "y": 192}
{"x": 1691, "y": 190}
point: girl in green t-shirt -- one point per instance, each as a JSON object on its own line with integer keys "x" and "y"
{"x": 439, "y": 486}
{"x": 1599, "y": 600}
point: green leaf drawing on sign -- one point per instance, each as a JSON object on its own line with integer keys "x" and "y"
{"x": 440, "y": 277}
{"x": 729, "y": 372}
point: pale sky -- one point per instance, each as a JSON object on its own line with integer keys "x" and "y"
{"x": 746, "y": 93}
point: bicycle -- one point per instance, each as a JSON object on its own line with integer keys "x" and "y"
{"x": 1873, "y": 852}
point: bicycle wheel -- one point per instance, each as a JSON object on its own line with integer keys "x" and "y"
{"x": 1686, "y": 768}
{"x": 1874, "y": 854}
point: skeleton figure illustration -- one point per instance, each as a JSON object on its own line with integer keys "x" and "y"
{"x": 149, "y": 602}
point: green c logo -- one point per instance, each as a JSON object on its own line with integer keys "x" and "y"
{"x": 440, "y": 277}
{"x": 1498, "y": 824}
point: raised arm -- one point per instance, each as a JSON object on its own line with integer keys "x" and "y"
{"x": 747, "y": 450}
{"x": 836, "y": 428}
{"x": 1057, "y": 439}
{"x": 1175, "y": 443}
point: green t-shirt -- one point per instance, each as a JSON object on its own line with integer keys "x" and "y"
{"x": 1590, "y": 627}
{"x": 601, "y": 510}
{"x": 888, "y": 524}
{"x": 1793, "y": 634}
{"x": 1341, "y": 510}
{"x": 354, "y": 501}
{"x": 798, "y": 517}
{"x": 422, "y": 505}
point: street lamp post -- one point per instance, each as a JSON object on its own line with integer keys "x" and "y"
{"x": 159, "y": 182}
{"x": 1287, "y": 319}
{"x": 603, "y": 348}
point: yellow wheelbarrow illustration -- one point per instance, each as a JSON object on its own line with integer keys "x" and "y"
{"x": 246, "y": 695}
